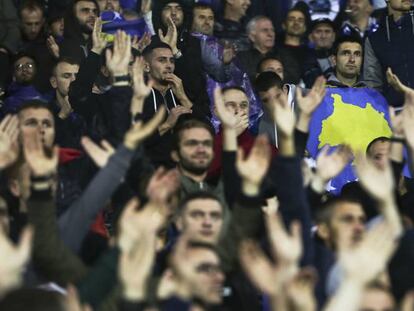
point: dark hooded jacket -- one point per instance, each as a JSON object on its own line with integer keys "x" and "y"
{"x": 392, "y": 45}
{"x": 74, "y": 44}
{"x": 189, "y": 67}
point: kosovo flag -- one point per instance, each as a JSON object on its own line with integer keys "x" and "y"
{"x": 112, "y": 21}
{"x": 351, "y": 116}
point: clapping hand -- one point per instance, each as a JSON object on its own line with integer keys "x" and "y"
{"x": 117, "y": 60}
{"x": 9, "y": 148}
{"x": 100, "y": 154}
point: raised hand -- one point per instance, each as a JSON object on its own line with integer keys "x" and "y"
{"x": 177, "y": 86}
{"x": 42, "y": 162}
{"x": 9, "y": 147}
{"x": 141, "y": 89}
{"x": 369, "y": 258}
{"x": 162, "y": 185}
{"x": 378, "y": 182}
{"x": 171, "y": 36}
{"x": 396, "y": 122}
{"x": 139, "y": 131}
{"x": 254, "y": 168}
{"x": 117, "y": 60}
{"x": 283, "y": 116}
{"x": 137, "y": 241}
{"x": 227, "y": 119}
{"x": 98, "y": 41}
{"x": 173, "y": 116}
{"x": 408, "y": 124}
{"x": 397, "y": 85}
{"x": 329, "y": 165}
{"x": 142, "y": 43}
{"x": 300, "y": 291}
{"x": 311, "y": 101}
{"x": 146, "y": 6}
{"x": 13, "y": 259}
{"x": 99, "y": 154}
{"x": 53, "y": 47}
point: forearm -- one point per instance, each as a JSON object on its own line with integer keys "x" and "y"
{"x": 50, "y": 256}
{"x": 229, "y": 139}
{"x": 286, "y": 145}
{"x": 390, "y": 212}
{"x": 347, "y": 298}
{"x": 84, "y": 211}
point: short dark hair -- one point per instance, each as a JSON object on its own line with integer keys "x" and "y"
{"x": 31, "y": 5}
{"x": 24, "y": 54}
{"x": 203, "y": 6}
{"x": 375, "y": 140}
{"x": 344, "y": 39}
{"x": 233, "y": 87}
{"x": 68, "y": 60}
{"x": 156, "y": 43}
{"x": 35, "y": 104}
{"x": 198, "y": 244}
{"x": 198, "y": 195}
{"x": 266, "y": 80}
{"x": 186, "y": 125}
{"x": 324, "y": 212}
{"x": 265, "y": 59}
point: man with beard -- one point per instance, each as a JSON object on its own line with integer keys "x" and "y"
{"x": 167, "y": 90}
{"x": 79, "y": 22}
{"x": 21, "y": 89}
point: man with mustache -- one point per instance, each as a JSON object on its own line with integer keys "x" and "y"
{"x": 79, "y": 22}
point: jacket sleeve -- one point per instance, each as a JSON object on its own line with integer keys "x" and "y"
{"x": 50, "y": 255}
{"x": 245, "y": 223}
{"x": 81, "y": 89}
{"x": 213, "y": 65}
{"x": 287, "y": 177}
{"x": 75, "y": 222}
{"x": 372, "y": 69}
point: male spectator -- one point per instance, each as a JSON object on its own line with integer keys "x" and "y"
{"x": 109, "y": 5}
{"x": 359, "y": 20}
{"x": 32, "y": 20}
{"x": 9, "y": 40}
{"x": 271, "y": 63}
{"x": 219, "y": 61}
{"x": 79, "y": 22}
{"x": 22, "y": 88}
{"x": 70, "y": 127}
{"x": 56, "y": 25}
{"x": 231, "y": 27}
{"x": 303, "y": 58}
{"x": 391, "y": 46}
{"x": 347, "y": 58}
{"x": 168, "y": 91}
{"x": 322, "y": 38}
{"x": 186, "y": 51}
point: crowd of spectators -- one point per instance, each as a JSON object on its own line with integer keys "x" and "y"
{"x": 163, "y": 165}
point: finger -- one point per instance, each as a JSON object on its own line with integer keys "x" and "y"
{"x": 4, "y": 123}
{"x": 12, "y": 126}
{"x": 108, "y": 53}
{"x": 25, "y": 244}
{"x": 299, "y": 95}
{"x": 296, "y": 230}
{"x": 160, "y": 34}
{"x": 107, "y": 146}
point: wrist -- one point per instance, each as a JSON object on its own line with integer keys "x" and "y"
{"x": 133, "y": 293}
{"x": 250, "y": 188}
{"x": 97, "y": 50}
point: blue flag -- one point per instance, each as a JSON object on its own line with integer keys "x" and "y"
{"x": 351, "y": 116}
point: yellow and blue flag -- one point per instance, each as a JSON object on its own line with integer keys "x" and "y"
{"x": 348, "y": 116}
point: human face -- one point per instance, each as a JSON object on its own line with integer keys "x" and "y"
{"x": 24, "y": 70}
{"x": 377, "y": 300}
{"x": 203, "y": 21}
{"x": 358, "y": 9}
{"x": 86, "y": 12}
{"x": 63, "y": 76}
{"x": 295, "y": 24}
{"x": 209, "y": 278}
{"x": 195, "y": 150}
{"x": 109, "y": 5}
{"x": 348, "y": 60}
{"x": 270, "y": 96}
{"x": 57, "y": 28}
{"x": 263, "y": 36}
{"x": 239, "y": 6}
{"x": 32, "y": 23}
{"x": 379, "y": 153}
{"x": 237, "y": 102}
{"x": 347, "y": 225}
{"x": 274, "y": 66}
{"x": 161, "y": 65}
{"x": 323, "y": 36}
{"x": 202, "y": 219}
{"x": 38, "y": 119}
{"x": 400, "y": 5}
{"x": 175, "y": 11}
